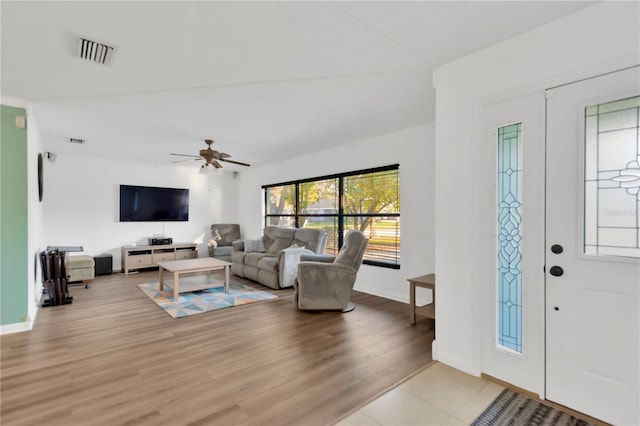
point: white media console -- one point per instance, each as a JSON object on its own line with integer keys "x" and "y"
{"x": 138, "y": 257}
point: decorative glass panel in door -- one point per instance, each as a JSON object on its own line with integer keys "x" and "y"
{"x": 612, "y": 179}
{"x": 509, "y": 188}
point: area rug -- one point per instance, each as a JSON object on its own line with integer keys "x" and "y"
{"x": 200, "y": 301}
{"x": 511, "y": 408}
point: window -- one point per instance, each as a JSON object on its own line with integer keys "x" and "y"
{"x": 509, "y": 230}
{"x": 368, "y": 200}
{"x": 612, "y": 179}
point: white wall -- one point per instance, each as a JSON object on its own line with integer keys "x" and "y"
{"x": 36, "y": 216}
{"x": 412, "y": 148}
{"x": 81, "y": 203}
{"x": 595, "y": 40}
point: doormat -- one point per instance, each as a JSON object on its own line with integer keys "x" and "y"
{"x": 200, "y": 301}
{"x": 511, "y": 408}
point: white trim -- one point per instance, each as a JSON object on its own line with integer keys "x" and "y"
{"x": 452, "y": 361}
{"x": 26, "y": 325}
{"x": 550, "y": 84}
{"x": 16, "y": 328}
{"x": 398, "y": 297}
{"x": 496, "y": 360}
{"x": 421, "y": 299}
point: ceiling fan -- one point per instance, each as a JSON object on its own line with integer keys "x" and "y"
{"x": 211, "y": 156}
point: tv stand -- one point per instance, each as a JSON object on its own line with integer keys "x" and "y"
{"x": 139, "y": 257}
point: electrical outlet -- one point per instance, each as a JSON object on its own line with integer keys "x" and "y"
{"x": 20, "y": 122}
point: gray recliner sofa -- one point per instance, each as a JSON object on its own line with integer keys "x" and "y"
{"x": 273, "y": 259}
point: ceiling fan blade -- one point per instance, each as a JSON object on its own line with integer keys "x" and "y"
{"x": 210, "y": 156}
{"x": 182, "y": 161}
{"x": 235, "y": 162}
{"x": 185, "y": 155}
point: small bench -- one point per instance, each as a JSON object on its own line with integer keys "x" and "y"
{"x": 81, "y": 268}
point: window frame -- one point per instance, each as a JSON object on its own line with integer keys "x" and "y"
{"x": 340, "y": 216}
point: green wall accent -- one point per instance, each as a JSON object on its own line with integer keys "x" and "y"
{"x": 14, "y": 278}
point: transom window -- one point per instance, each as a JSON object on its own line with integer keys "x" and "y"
{"x": 368, "y": 200}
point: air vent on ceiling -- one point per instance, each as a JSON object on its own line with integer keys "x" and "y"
{"x": 76, "y": 140}
{"x": 96, "y": 52}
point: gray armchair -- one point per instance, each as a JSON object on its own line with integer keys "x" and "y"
{"x": 224, "y": 234}
{"x": 325, "y": 282}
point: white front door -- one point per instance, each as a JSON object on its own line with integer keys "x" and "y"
{"x": 592, "y": 252}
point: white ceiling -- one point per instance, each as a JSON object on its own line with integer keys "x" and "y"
{"x": 264, "y": 79}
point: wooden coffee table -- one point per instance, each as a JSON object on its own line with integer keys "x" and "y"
{"x": 204, "y": 264}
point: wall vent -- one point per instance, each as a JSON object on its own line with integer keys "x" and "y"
{"x": 96, "y": 52}
{"x": 76, "y": 140}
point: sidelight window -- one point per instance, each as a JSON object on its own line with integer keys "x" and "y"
{"x": 509, "y": 231}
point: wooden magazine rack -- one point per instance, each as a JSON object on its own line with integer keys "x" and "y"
{"x": 54, "y": 277}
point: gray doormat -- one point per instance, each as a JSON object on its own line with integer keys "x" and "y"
{"x": 511, "y": 408}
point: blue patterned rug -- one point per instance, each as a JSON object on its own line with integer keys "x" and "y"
{"x": 200, "y": 301}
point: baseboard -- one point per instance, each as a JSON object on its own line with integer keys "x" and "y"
{"x": 453, "y": 361}
{"x": 16, "y": 328}
{"x": 397, "y": 296}
{"x": 382, "y": 293}
{"x": 28, "y": 324}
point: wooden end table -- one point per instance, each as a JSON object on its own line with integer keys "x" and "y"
{"x": 204, "y": 264}
{"x": 429, "y": 311}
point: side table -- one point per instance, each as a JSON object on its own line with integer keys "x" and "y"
{"x": 104, "y": 264}
{"x": 429, "y": 311}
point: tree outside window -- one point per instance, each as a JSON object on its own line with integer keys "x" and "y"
{"x": 367, "y": 200}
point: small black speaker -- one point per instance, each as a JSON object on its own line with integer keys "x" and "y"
{"x": 104, "y": 264}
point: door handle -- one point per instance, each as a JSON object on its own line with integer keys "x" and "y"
{"x": 556, "y": 271}
{"x": 557, "y": 249}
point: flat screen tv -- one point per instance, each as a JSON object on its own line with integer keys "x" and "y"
{"x": 152, "y": 204}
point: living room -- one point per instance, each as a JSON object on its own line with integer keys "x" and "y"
{"x": 442, "y": 178}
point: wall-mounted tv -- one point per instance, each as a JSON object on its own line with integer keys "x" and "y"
{"x": 152, "y": 204}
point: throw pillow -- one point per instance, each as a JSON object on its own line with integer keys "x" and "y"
{"x": 253, "y": 245}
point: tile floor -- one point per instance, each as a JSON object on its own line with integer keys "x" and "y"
{"x": 438, "y": 395}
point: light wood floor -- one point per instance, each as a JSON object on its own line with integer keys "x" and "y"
{"x": 114, "y": 357}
